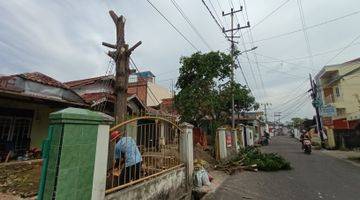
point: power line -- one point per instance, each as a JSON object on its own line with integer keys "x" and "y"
{"x": 252, "y": 46}
{"x": 317, "y": 54}
{"x": 271, "y": 13}
{"x": 283, "y": 61}
{"x": 302, "y": 18}
{"x": 342, "y": 50}
{"x": 292, "y": 75}
{"x": 297, "y": 109}
{"x": 243, "y": 74}
{"x": 215, "y": 12}
{"x": 212, "y": 15}
{"x": 172, "y": 25}
{"x": 294, "y": 90}
{"x": 137, "y": 69}
{"x": 291, "y": 102}
{"x": 307, "y": 28}
{"x": 177, "y": 6}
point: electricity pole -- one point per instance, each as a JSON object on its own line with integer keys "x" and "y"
{"x": 276, "y": 121}
{"x": 121, "y": 55}
{"x": 232, "y": 53}
{"x": 266, "y": 104}
{"x": 316, "y": 103}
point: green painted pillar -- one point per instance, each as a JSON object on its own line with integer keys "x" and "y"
{"x": 75, "y": 155}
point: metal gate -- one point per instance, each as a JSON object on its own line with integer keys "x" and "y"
{"x": 142, "y": 148}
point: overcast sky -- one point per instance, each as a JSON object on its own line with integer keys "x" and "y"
{"x": 63, "y": 40}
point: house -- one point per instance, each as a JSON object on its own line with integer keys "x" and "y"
{"x": 142, "y": 91}
{"x": 98, "y": 92}
{"x": 26, "y": 100}
{"x": 143, "y": 85}
{"x": 340, "y": 96}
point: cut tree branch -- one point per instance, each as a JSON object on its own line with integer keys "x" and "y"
{"x": 109, "y": 45}
{"x": 134, "y": 47}
{"x": 113, "y": 16}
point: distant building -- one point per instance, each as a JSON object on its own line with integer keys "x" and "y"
{"x": 143, "y": 85}
{"x": 340, "y": 96}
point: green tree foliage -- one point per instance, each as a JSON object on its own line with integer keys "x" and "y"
{"x": 297, "y": 122}
{"x": 205, "y": 90}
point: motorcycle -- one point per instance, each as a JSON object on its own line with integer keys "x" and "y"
{"x": 264, "y": 141}
{"x": 307, "y": 146}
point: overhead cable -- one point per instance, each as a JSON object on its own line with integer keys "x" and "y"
{"x": 172, "y": 25}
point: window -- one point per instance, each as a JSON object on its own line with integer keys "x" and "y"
{"x": 5, "y": 128}
{"x": 15, "y": 128}
{"x": 337, "y": 92}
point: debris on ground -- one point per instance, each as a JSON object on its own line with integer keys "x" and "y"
{"x": 252, "y": 159}
{"x": 20, "y": 178}
{"x": 201, "y": 153}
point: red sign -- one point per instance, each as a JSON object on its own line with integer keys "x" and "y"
{"x": 341, "y": 124}
{"x": 228, "y": 139}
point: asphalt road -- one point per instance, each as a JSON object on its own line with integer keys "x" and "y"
{"x": 315, "y": 176}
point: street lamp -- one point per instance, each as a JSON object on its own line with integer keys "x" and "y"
{"x": 248, "y": 50}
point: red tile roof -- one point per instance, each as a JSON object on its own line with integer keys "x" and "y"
{"x": 87, "y": 81}
{"x": 43, "y": 79}
{"x": 92, "y": 97}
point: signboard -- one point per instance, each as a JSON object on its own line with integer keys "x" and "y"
{"x": 328, "y": 111}
{"x": 327, "y": 121}
{"x": 228, "y": 139}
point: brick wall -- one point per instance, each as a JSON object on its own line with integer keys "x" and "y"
{"x": 140, "y": 89}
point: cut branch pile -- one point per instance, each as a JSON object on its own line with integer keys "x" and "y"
{"x": 252, "y": 159}
{"x": 233, "y": 165}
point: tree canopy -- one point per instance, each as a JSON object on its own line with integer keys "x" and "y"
{"x": 205, "y": 90}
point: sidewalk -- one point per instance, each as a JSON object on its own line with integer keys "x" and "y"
{"x": 219, "y": 178}
{"x": 343, "y": 155}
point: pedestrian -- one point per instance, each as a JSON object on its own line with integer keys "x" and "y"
{"x": 127, "y": 158}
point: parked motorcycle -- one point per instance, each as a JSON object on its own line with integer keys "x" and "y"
{"x": 307, "y": 146}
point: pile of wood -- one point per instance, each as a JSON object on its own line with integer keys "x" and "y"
{"x": 231, "y": 166}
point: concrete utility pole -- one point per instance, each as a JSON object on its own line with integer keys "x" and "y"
{"x": 316, "y": 103}
{"x": 232, "y": 53}
{"x": 276, "y": 121}
{"x": 266, "y": 104}
{"x": 121, "y": 56}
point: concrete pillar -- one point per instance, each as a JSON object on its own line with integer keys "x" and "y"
{"x": 75, "y": 167}
{"x": 234, "y": 137}
{"x": 222, "y": 142}
{"x": 186, "y": 149}
{"x": 162, "y": 134}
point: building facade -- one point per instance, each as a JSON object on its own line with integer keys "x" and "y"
{"x": 339, "y": 86}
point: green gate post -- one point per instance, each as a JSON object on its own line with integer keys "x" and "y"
{"x": 75, "y": 155}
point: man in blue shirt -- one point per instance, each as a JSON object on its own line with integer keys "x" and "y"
{"x": 127, "y": 153}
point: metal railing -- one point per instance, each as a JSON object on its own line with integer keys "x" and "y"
{"x": 141, "y": 148}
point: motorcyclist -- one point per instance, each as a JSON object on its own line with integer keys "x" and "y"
{"x": 304, "y": 136}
